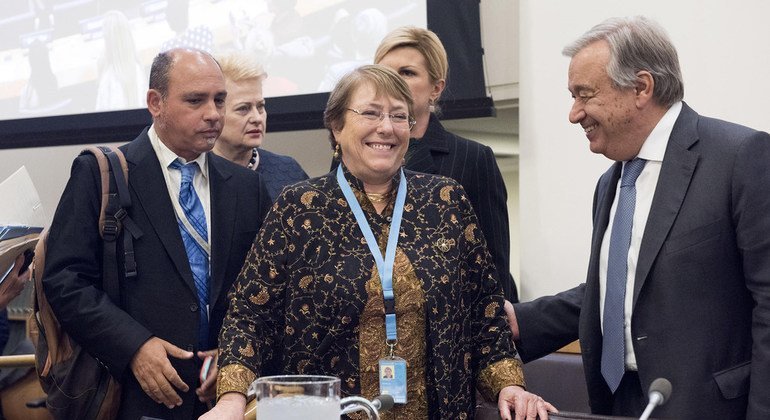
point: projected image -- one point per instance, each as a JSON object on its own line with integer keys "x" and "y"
{"x": 62, "y": 57}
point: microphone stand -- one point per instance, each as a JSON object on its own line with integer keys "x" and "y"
{"x": 353, "y": 404}
{"x": 655, "y": 400}
{"x": 660, "y": 392}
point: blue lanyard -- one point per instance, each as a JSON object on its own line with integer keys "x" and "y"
{"x": 384, "y": 267}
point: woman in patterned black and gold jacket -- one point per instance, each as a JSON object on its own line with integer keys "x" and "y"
{"x": 309, "y": 299}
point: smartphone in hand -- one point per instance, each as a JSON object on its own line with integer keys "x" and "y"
{"x": 205, "y": 368}
{"x": 28, "y": 256}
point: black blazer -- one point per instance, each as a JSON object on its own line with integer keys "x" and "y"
{"x": 473, "y": 165}
{"x": 161, "y": 301}
{"x": 701, "y": 303}
{"x": 278, "y": 171}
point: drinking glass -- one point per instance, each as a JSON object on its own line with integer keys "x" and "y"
{"x": 297, "y": 397}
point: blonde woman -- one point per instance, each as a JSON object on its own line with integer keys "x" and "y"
{"x": 122, "y": 84}
{"x": 246, "y": 124}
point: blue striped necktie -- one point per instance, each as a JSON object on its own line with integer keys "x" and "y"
{"x": 196, "y": 254}
{"x": 613, "y": 364}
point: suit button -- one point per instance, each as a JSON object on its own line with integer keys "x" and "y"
{"x": 193, "y": 307}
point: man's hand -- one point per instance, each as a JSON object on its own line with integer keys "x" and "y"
{"x": 512, "y": 323}
{"x": 153, "y": 370}
{"x": 231, "y": 406}
{"x": 14, "y": 283}
{"x": 525, "y": 405}
{"x": 208, "y": 390}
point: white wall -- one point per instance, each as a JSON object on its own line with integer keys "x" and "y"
{"x": 499, "y": 36}
{"x": 724, "y": 49}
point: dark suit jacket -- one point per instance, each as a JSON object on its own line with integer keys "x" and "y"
{"x": 278, "y": 171}
{"x": 701, "y": 303}
{"x": 473, "y": 165}
{"x": 161, "y": 301}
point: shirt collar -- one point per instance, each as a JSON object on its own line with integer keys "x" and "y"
{"x": 654, "y": 148}
{"x": 358, "y": 190}
{"x": 357, "y": 184}
{"x": 166, "y": 156}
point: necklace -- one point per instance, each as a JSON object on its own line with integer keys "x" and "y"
{"x": 253, "y": 160}
{"x": 378, "y": 198}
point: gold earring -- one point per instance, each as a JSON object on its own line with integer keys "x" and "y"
{"x": 336, "y": 154}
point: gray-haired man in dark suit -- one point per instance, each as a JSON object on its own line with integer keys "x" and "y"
{"x": 694, "y": 300}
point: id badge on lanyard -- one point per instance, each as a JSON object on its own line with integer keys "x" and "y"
{"x": 392, "y": 369}
{"x": 393, "y": 378}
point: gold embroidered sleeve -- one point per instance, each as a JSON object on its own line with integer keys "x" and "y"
{"x": 234, "y": 378}
{"x": 498, "y": 375}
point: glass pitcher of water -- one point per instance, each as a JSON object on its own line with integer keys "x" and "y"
{"x": 303, "y": 397}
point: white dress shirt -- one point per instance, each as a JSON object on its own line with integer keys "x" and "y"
{"x": 653, "y": 150}
{"x": 173, "y": 177}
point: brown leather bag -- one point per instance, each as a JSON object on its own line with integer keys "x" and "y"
{"x": 77, "y": 385}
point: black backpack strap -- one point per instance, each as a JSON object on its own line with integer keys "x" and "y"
{"x": 110, "y": 232}
{"x": 119, "y": 209}
{"x": 114, "y": 218}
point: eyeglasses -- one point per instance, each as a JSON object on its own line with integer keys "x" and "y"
{"x": 399, "y": 119}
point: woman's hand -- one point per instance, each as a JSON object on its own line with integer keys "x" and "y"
{"x": 231, "y": 406}
{"x": 525, "y": 405}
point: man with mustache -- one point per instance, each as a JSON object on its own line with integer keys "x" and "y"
{"x": 198, "y": 214}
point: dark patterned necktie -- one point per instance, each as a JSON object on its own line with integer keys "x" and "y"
{"x": 613, "y": 342}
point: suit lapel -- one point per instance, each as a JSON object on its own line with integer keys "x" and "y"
{"x": 676, "y": 172}
{"x": 224, "y": 202}
{"x": 605, "y": 195}
{"x": 423, "y": 153}
{"x": 147, "y": 181}
{"x": 419, "y": 157}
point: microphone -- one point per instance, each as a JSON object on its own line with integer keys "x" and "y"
{"x": 383, "y": 402}
{"x": 660, "y": 392}
{"x": 372, "y": 408}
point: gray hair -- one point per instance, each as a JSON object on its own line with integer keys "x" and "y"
{"x": 636, "y": 44}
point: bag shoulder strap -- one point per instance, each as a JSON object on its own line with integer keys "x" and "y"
{"x": 104, "y": 173}
{"x": 113, "y": 217}
{"x": 101, "y": 153}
